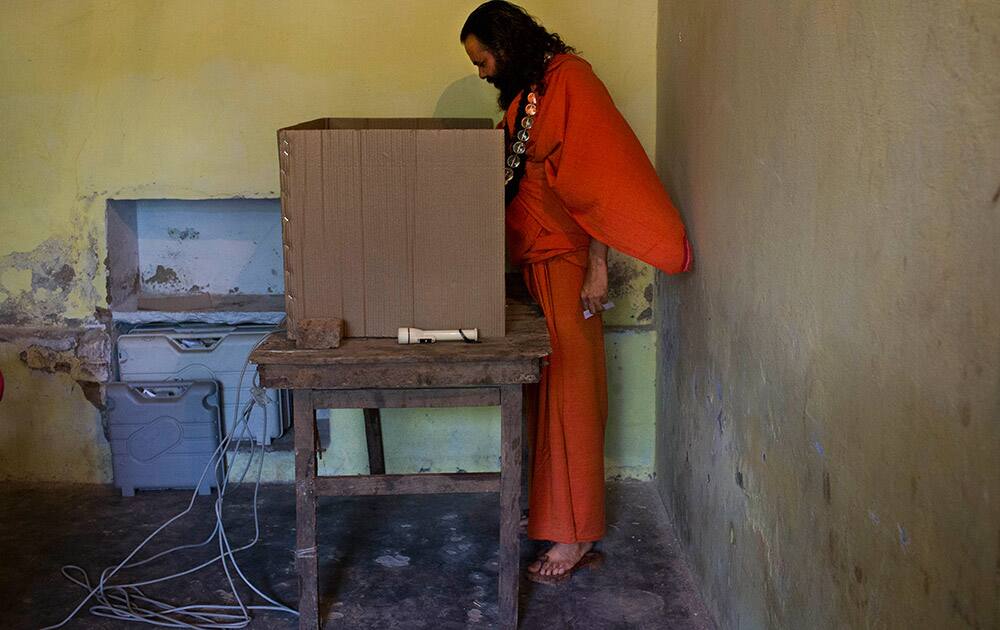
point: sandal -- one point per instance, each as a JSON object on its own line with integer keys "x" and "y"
{"x": 592, "y": 560}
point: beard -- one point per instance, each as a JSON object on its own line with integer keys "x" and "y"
{"x": 508, "y": 83}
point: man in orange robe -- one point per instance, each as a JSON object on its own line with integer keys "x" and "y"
{"x": 582, "y": 182}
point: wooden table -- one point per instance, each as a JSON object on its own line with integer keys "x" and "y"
{"x": 378, "y": 373}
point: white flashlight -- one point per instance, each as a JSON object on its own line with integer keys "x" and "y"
{"x": 417, "y": 335}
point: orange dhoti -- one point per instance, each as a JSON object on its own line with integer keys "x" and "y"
{"x": 585, "y": 177}
{"x": 571, "y": 409}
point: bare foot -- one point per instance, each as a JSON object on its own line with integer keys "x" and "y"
{"x": 560, "y": 558}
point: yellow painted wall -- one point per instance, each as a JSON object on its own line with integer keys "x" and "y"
{"x": 181, "y": 99}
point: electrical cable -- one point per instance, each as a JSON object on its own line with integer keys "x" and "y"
{"x": 128, "y": 602}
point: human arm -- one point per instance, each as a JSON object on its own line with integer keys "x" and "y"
{"x": 594, "y": 293}
{"x": 602, "y": 175}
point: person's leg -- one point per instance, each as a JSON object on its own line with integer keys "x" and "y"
{"x": 567, "y": 487}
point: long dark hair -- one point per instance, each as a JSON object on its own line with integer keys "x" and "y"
{"x": 518, "y": 42}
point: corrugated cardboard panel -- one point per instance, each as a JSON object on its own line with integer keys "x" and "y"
{"x": 395, "y": 123}
{"x": 318, "y": 123}
{"x": 343, "y": 217}
{"x": 392, "y": 123}
{"x": 387, "y": 173}
{"x": 458, "y": 232}
{"x": 346, "y": 123}
{"x": 292, "y": 161}
{"x": 393, "y": 222}
{"x": 320, "y": 286}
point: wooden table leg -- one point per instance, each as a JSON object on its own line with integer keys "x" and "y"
{"x": 373, "y": 435}
{"x": 511, "y": 402}
{"x": 527, "y": 452}
{"x": 307, "y": 563}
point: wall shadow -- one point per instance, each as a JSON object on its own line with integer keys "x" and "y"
{"x": 468, "y": 97}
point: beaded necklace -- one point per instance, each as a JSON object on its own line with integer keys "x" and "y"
{"x": 517, "y": 144}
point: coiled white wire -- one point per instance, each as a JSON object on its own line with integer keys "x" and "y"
{"x": 127, "y": 601}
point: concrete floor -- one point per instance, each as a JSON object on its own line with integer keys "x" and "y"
{"x": 386, "y": 562}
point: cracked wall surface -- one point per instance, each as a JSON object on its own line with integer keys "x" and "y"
{"x": 830, "y": 371}
{"x": 180, "y": 100}
{"x": 83, "y": 354}
{"x": 49, "y": 429}
{"x": 51, "y": 283}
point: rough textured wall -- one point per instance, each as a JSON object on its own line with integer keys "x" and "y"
{"x": 830, "y": 389}
{"x": 113, "y": 99}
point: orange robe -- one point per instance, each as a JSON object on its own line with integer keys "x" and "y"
{"x": 586, "y": 176}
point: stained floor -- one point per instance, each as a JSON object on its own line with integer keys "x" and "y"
{"x": 386, "y": 562}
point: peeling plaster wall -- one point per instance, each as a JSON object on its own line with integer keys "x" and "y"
{"x": 829, "y": 374}
{"x": 43, "y": 285}
{"x": 217, "y": 247}
{"x": 39, "y": 448}
{"x": 113, "y": 99}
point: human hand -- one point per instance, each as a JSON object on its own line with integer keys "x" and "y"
{"x": 594, "y": 292}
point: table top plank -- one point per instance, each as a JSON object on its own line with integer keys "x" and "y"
{"x": 527, "y": 338}
{"x": 412, "y": 375}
